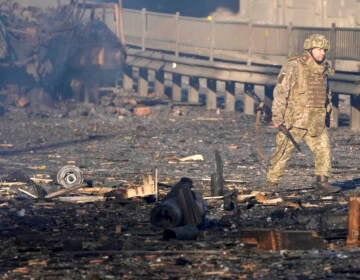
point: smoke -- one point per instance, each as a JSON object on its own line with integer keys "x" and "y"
{"x": 49, "y": 48}
{"x": 199, "y": 8}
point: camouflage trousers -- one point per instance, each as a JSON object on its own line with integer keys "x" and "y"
{"x": 319, "y": 145}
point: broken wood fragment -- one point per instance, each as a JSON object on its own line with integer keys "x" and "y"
{"x": 353, "y": 229}
{"x": 217, "y": 178}
{"x": 156, "y": 184}
{"x": 5, "y": 145}
{"x": 268, "y": 201}
{"x": 64, "y": 191}
{"x": 142, "y": 110}
{"x": 213, "y": 197}
{"x": 118, "y": 229}
{"x": 269, "y": 239}
{"x": 96, "y": 190}
{"x": 292, "y": 205}
{"x": 259, "y": 197}
{"x": 243, "y": 197}
{"x": 9, "y": 184}
{"x": 192, "y": 158}
{"x": 27, "y": 193}
{"x": 41, "y": 180}
{"x": 81, "y": 198}
{"x": 37, "y": 262}
{"x": 146, "y": 189}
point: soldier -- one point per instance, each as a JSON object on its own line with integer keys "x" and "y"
{"x": 301, "y": 103}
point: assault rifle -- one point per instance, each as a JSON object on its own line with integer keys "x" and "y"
{"x": 328, "y": 70}
{"x": 262, "y": 108}
{"x": 328, "y": 118}
{"x": 287, "y": 133}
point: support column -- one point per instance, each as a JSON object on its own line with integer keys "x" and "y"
{"x": 355, "y": 112}
{"x": 128, "y": 81}
{"x": 143, "y": 83}
{"x": 230, "y": 96}
{"x": 269, "y": 97}
{"x": 211, "y": 94}
{"x": 176, "y": 87}
{"x": 249, "y": 103}
{"x": 260, "y": 91}
{"x": 159, "y": 86}
{"x": 193, "y": 94}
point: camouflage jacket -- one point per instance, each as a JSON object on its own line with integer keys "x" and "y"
{"x": 301, "y": 98}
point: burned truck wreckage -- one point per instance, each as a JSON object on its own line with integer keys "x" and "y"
{"x": 55, "y": 54}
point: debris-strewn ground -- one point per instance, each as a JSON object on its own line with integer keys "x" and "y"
{"x": 112, "y": 238}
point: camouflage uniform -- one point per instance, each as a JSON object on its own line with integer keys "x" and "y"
{"x": 300, "y": 103}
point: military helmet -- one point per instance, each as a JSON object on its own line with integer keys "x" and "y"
{"x": 316, "y": 41}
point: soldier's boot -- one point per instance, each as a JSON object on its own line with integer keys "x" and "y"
{"x": 323, "y": 186}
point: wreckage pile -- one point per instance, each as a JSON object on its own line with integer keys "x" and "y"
{"x": 111, "y": 225}
{"x": 54, "y": 54}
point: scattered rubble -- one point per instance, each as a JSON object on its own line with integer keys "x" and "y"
{"x": 99, "y": 183}
{"x": 95, "y": 231}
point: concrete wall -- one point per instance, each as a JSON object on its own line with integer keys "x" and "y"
{"x": 344, "y": 13}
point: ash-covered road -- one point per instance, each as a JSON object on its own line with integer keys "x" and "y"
{"x": 113, "y": 239}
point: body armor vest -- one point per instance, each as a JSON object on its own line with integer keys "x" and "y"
{"x": 307, "y": 99}
{"x": 311, "y": 82}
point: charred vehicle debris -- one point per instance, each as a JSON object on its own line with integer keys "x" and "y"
{"x": 88, "y": 196}
{"x": 55, "y": 54}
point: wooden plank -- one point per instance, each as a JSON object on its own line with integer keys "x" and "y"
{"x": 96, "y": 190}
{"x": 9, "y": 184}
{"x": 64, "y": 191}
{"x": 81, "y": 198}
{"x": 353, "y": 229}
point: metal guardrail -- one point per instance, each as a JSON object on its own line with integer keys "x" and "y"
{"x": 234, "y": 52}
{"x": 234, "y": 41}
